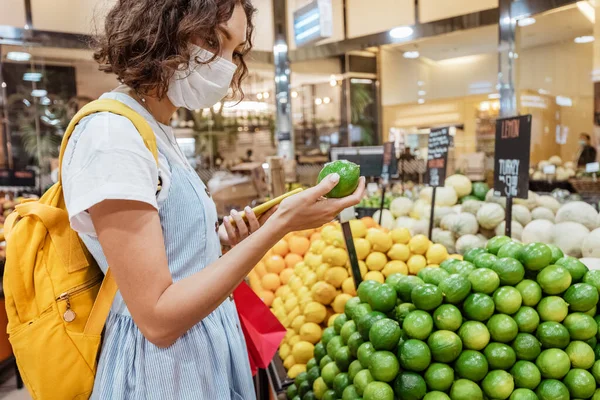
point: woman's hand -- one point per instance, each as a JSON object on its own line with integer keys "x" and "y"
{"x": 231, "y": 234}
{"x": 310, "y": 210}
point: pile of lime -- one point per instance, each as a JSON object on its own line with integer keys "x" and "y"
{"x": 510, "y": 321}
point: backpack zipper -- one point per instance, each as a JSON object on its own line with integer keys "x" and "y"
{"x": 69, "y": 315}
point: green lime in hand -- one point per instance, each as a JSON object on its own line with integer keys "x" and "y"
{"x": 349, "y": 174}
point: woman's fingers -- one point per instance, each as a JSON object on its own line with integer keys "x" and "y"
{"x": 324, "y": 187}
{"x": 252, "y": 221}
{"x": 231, "y": 231}
{"x": 239, "y": 224}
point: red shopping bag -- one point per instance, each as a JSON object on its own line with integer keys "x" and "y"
{"x": 262, "y": 330}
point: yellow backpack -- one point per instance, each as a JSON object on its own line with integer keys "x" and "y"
{"x": 57, "y": 298}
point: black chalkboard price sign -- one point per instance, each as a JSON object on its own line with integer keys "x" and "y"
{"x": 437, "y": 162}
{"x": 511, "y": 161}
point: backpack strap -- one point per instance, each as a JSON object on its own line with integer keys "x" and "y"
{"x": 108, "y": 289}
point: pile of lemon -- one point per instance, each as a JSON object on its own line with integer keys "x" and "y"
{"x": 307, "y": 285}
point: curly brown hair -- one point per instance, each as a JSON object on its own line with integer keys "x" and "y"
{"x": 146, "y": 41}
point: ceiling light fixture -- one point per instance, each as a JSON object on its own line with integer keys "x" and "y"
{"x": 411, "y": 54}
{"x": 526, "y": 21}
{"x": 421, "y": 101}
{"x": 18, "y": 56}
{"x": 584, "y": 39}
{"x": 32, "y": 76}
{"x": 318, "y": 101}
{"x": 326, "y": 100}
{"x": 401, "y": 32}
{"x": 39, "y": 93}
{"x": 422, "y": 93}
{"x": 294, "y": 94}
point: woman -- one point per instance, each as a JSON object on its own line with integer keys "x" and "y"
{"x": 173, "y": 332}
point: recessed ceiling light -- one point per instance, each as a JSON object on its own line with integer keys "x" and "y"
{"x": 421, "y": 101}
{"x": 411, "y": 54}
{"x": 18, "y": 56}
{"x": 294, "y": 94}
{"x": 401, "y": 32}
{"x": 318, "y": 101}
{"x": 422, "y": 93}
{"x": 584, "y": 39}
{"x": 326, "y": 100}
{"x": 526, "y": 21}
{"x": 420, "y": 83}
{"x": 39, "y": 92}
{"x": 32, "y": 76}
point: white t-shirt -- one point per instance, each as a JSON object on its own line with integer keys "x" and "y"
{"x": 106, "y": 159}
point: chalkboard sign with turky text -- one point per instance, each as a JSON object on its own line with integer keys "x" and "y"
{"x": 437, "y": 157}
{"x": 511, "y": 160}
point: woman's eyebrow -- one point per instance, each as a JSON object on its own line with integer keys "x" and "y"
{"x": 229, "y": 36}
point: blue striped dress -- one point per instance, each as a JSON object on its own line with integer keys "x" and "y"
{"x": 210, "y": 361}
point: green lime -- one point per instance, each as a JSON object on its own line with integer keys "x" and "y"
{"x": 597, "y": 351}
{"x": 354, "y": 342}
{"x": 553, "y": 308}
{"x": 393, "y": 279}
{"x": 551, "y": 389}
{"x": 383, "y": 366}
{"x": 464, "y": 389}
{"x": 334, "y": 345}
{"x": 329, "y": 372}
{"x": 410, "y": 386}
{"x": 593, "y": 278}
{"x": 320, "y": 351}
{"x": 581, "y": 326}
{"x": 526, "y": 347}
{"x": 495, "y": 243}
{"x": 329, "y": 395}
{"x": 427, "y": 297}
{"x": 402, "y": 310}
{"x": 596, "y": 395}
{"x": 435, "y": 276}
{"x": 484, "y": 260}
{"x": 471, "y": 254}
{"x": 455, "y": 288}
{"x": 405, "y": 286}
{"x": 350, "y": 393}
{"x": 448, "y": 265}
{"x": 471, "y": 365}
{"x": 348, "y": 173}
{"x": 366, "y": 321}
{"x": 552, "y": 335}
{"x": 348, "y": 329}
{"x": 507, "y": 299}
{"x": 592, "y": 342}
{"x": 343, "y": 358}
{"x": 328, "y": 334}
{"x": 479, "y": 306}
{"x": 500, "y": 356}
{"x": 311, "y": 363}
{"x": 498, "y": 384}
{"x": 526, "y": 375}
{"x": 341, "y": 382}
{"x": 384, "y": 334}
{"x": 439, "y": 377}
{"x": 502, "y": 328}
{"x": 339, "y": 322}
{"x": 354, "y": 368}
{"x": 509, "y": 270}
{"x": 365, "y": 288}
{"x": 464, "y": 268}
{"x": 554, "y": 279}
{"x": 523, "y": 394}
{"x": 581, "y": 297}
{"x": 436, "y": 396}
{"x": 377, "y": 391}
{"x": 361, "y": 310}
{"x": 596, "y": 371}
{"x": 474, "y": 335}
{"x": 592, "y": 312}
{"x": 530, "y": 291}
{"x": 557, "y": 254}
{"x": 364, "y": 353}
{"x": 447, "y": 317}
{"x": 362, "y": 380}
{"x": 319, "y": 387}
{"x": 445, "y": 346}
{"x": 553, "y": 363}
{"x": 313, "y": 374}
{"x": 527, "y": 319}
{"x": 383, "y": 298}
{"x": 301, "y": 377}
{"x": 535, "y": 256}
{"x": 418, "y": 325}
{"x": 510, "y": 249}
{"x": 292, "y": 391}
{"x": 310, "y": 395}
{"x": 581, "y": 383}
{"x": 303, "y": 388}
{"x": 414, "y": 355}
{"x": 351, "y": 305}
{"x": 576, "y": 268}
{"x": 324, "y": 361}
{"x": 484, "y": 280}
{"x": 581, "y": 354}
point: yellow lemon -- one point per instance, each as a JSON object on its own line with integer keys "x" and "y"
{"x": 416, "y": 263}
{"x": 307, "y": 298}
{"x": 340, "y": 302}
{"x": 284, "y": 351}
{"x": 395, "y": 267}
{"x": 419, "y": 244}
{"x": 310, "y": 332}
{"x": 380, "y": 241}
{"x": 280, "y": 314}
{"x": 363, "y": 248}
{"x": 327, "y": 230}
{"x": 315, "y": 312}
{"x": 331, "y": 319}
{"x": 313, "y": 260}
{"x": 298, "y": 322}
{"x": 337, "y": 239}
{"x": 303, "y": 351}
{"x": 290, "y": 304}
{"x": 335, "y": 276}
{"x": 277, "y": 302}
{"x": 295, "y": 283}
{"x": 282, "y": 291}
{"x": 317, "y": 246}
{"x": 290, "y": 332}
{"x": 358, "y": 227}
{"x": 399, "y": 251}
{"x": 436, "y": 254}
{"x": 335, "y": 256}
{"x": 433, "y": 266}
{"x": 323, "y": 292}
{"x": 321, "y": 269}
{"x": 374, "y": 276}
{"x": 457, "y": 256}
{"x": 289, "y": 362}
{"x": 363, "y": 268}
{"x": 309, "y": 279}
{"x": 348, "y": 286}
{"x": 400, "y": 235}
{"x": 296, "y": 370}
{"x": 376, "y": 261}
{"x": 291, "y": 316}
{"x": 330, "y": 312}
{"x": 303, "y": 290}
{"x": 293, "y": 340}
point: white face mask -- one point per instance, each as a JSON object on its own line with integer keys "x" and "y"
{"x": 201, "y": 85}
